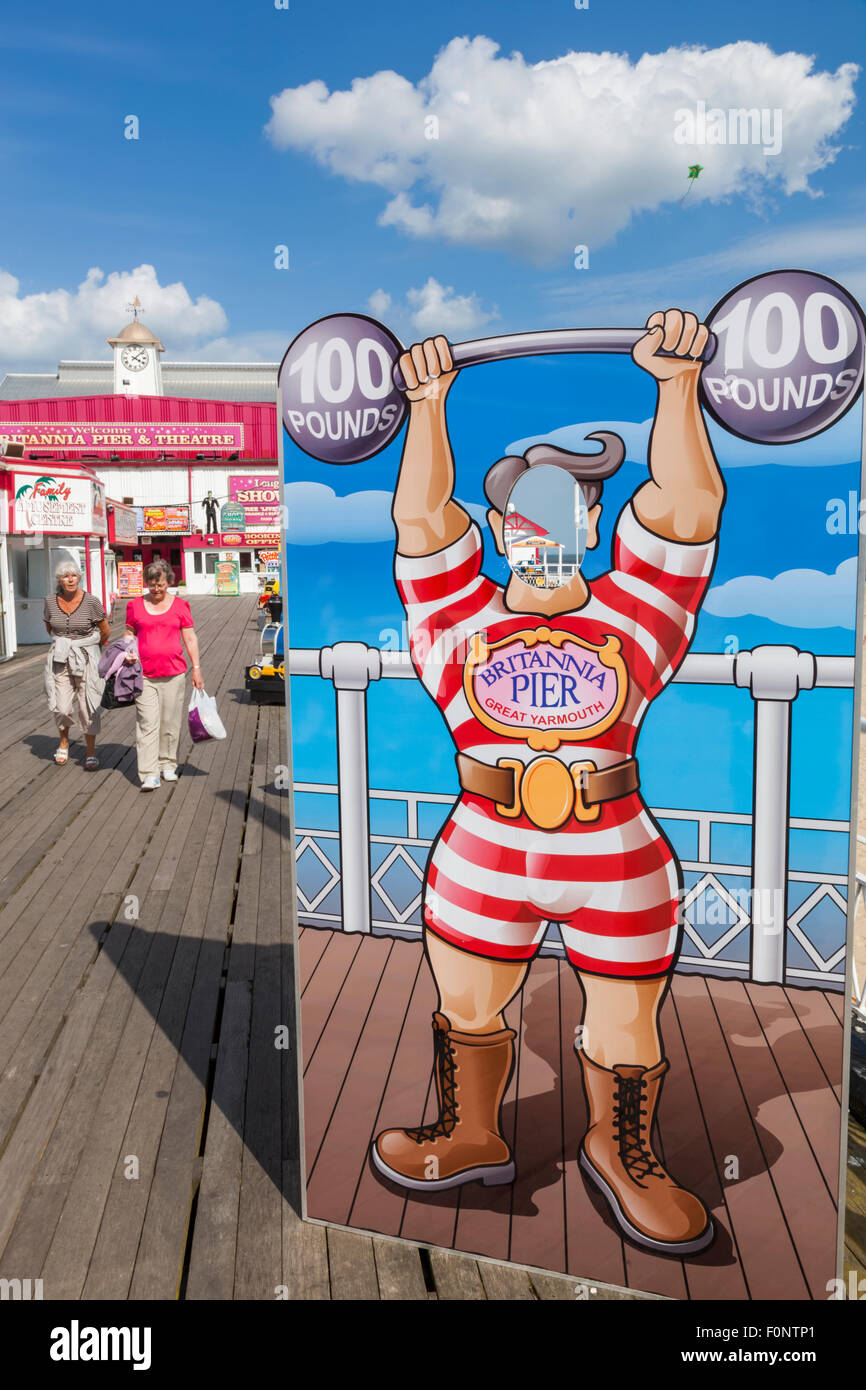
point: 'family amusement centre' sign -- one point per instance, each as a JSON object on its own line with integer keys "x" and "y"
{"x": 59, "y": 505}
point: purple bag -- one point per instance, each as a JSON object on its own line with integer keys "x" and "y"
{"x": 204, "y": 722}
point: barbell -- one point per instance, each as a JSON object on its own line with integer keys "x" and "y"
{"x": 786, "y": 350}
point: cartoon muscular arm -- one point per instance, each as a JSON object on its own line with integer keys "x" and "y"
{"x": 425, "y": 513}
{"x": 685, "y": 494}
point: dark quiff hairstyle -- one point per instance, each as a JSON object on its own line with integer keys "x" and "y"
{"x": 590, "y": 470}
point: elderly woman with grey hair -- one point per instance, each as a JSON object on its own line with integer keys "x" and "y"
{"x": 78, "y": 628}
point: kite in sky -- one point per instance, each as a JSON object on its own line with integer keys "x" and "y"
{"x": 694, "y": 171}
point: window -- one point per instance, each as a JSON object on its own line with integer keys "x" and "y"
{"x": 196, "y": 561}
{"x": 246, "y": 560}
{"x": 210, "y": 563}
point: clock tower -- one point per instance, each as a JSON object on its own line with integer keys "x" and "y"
{"x": 137, "y": 369}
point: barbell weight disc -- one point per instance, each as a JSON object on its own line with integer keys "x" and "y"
{"x": 338, "y": 399}
{"x": 790, "y": 362}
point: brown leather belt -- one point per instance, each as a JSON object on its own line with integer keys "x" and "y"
{"x": 545, "y": 789}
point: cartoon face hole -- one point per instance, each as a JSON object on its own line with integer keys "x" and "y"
{"x": 545, "y": 527}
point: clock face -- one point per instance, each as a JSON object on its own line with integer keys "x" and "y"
{"x": 134, "y": 359}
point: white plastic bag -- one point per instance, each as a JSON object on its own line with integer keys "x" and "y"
{"x": 204, "y": 722}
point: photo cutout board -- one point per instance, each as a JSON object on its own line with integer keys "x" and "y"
{"x": 571, "y": 634}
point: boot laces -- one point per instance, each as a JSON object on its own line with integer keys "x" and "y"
{"x": 443, "y": 1069}
{"x": 630, "y": 1129}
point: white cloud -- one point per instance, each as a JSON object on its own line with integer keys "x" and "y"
{"x": 429, "y": 309}
{"x": 40, "y": 329}
{"x": 437, "y": 309}
{"x": 840, "y": 444}
{"x": 535, "y": 158}
{"x": 794, "y": 598}
{"x": 318, "y": 516}
{"x": 379, "y": 303}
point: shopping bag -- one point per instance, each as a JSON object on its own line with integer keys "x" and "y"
{"x": 204, "y": 722}
{"x": 109, "y": 699}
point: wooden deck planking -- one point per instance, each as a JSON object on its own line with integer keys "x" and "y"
{"x": 258, "y": 1258}
{"x": 379, "y": 1205}
{"x": 821, "y": 1026}
{"x": 74, "y": 1237}
{"x": 716, "y": 1272}
{"x": 809, "y": 1209}
{"x": 806, "y": 1083}
{"x": 763, "y": 1241}
{"x": 163, "y": 1238}
{"x": 333, "y": 1178}
{"x": 103, "y": 959}
{"x": 170, "y": 972}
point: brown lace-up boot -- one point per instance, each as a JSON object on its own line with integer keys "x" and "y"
{"x": 465, "y": 1143}
{"x": 618, "y": 1156}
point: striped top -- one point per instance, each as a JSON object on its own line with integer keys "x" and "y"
{"x": 577, "y": 685}
{"x": 79, "y": 623}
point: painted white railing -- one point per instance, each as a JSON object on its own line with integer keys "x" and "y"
{"x": 774, "y": 677}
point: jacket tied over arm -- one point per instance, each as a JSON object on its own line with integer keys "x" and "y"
{"x": 81, "y": 655}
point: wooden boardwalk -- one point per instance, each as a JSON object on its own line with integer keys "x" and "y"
{"x": 148, "y": 1140}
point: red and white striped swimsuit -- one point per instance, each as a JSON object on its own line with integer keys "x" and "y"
{"x": 493, "y": 882}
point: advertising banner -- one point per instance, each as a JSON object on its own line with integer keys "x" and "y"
{"x": 259, "y": 495}
{"x": 163, "y": 519}
{"x": 574, "y": 873}
{"x": 227, "y": 576}
{"x": 130, "y": 578}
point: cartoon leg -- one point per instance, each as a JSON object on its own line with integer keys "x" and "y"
{"x": 623, "y": 1069}
{"x": 473, "y": 1057}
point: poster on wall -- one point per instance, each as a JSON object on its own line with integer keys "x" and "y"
{"x": 227, "y": 576}
{"x": 130, "y": 580}
{"x": 574, "y": 857}
{"x": 163, "y": 519}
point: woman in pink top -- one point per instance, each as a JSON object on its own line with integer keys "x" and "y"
{"x": 161, "y": 623}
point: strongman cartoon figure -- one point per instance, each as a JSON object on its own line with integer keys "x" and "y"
{"x": 544, "y": 691}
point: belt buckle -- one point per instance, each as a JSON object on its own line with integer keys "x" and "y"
{"x": 547, "y": 792}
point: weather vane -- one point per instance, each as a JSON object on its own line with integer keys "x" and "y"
{"x": 134, "y": 308}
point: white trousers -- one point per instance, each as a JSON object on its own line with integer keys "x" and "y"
{"x": 158, "y": 712}
{"x": 72, "y": 701}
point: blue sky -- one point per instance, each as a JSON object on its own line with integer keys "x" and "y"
{"x": 204, "y": 195}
